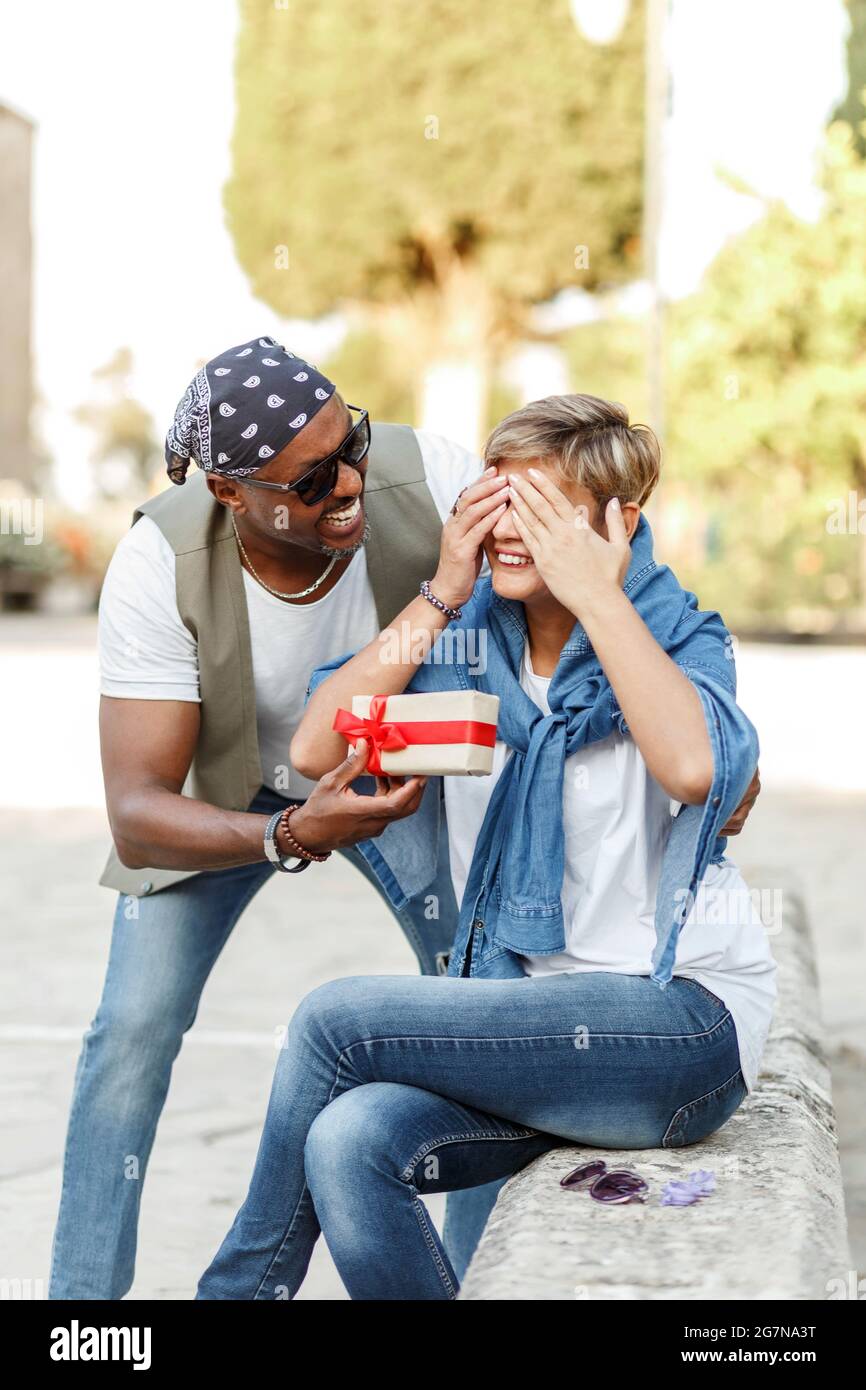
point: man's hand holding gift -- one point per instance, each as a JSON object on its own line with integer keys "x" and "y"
{"x": 334, "y": 816}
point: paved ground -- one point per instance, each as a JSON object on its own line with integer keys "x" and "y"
{"x": 297, "y": 934}
{"x": 326, "y": 923}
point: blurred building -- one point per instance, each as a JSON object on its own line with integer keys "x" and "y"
{"x": 16, "y": 380}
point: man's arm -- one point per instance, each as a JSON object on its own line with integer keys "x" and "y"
{"x": 147, "y": 749}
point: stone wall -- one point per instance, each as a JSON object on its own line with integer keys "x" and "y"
{"x": 774, "y": 1229}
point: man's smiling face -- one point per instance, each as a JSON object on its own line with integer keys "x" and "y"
{"x": 336, "y": 525}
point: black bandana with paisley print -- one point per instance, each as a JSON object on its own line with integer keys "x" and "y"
{"x": 242, "y": 408}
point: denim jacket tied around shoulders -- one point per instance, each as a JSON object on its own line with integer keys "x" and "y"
{"x": 404, "y": 856}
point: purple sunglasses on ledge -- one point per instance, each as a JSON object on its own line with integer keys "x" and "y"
{"x": 617, "y": 1186}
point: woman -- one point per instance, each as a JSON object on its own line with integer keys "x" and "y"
{"x": 609, "y": 983}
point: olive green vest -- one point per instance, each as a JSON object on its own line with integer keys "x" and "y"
{"x": 402, "y": 550}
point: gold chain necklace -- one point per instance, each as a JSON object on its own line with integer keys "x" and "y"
{"x": 276, "y": 593}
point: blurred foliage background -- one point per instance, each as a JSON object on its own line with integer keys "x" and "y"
{"x": 440, "y": 176}
{"x": 434, "y": 179}
{"x": 766, "y": 412}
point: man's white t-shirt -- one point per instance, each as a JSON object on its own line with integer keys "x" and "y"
{"x": 616, "y": 820}
{"x": 146, "y": 652}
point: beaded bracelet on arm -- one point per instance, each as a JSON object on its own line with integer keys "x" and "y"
{"x": 295, "y": 847}
{"x": 450, "y": 613}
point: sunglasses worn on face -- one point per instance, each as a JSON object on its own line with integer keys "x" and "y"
{"x": 321, "y": 478}
{"x": 609, "y": 1187}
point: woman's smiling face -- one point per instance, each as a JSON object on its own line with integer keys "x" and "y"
{"x": 513, "y": 573}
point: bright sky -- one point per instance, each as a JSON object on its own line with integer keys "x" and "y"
{"x": 134, "y": 110}
{"x": 754, "y": 83}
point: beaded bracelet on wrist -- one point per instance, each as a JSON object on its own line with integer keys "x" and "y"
{"x": 296, "y": 848}
{"x": 451, "y": 613}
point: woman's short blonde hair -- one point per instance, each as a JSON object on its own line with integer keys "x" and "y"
{"x": 589, "y": 441}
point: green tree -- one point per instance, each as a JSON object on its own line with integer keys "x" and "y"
{"x": 767, "y": 371}
{"x": 445, "y": 165}
{"x": 766, "y": 412}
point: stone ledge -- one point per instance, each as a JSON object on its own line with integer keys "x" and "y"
{"x": 775, "y": 1227}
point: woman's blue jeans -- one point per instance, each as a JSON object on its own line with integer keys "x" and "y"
{"x": 390, "y": 1087}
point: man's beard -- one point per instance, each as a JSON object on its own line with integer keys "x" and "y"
{"x": 343, "y": 551}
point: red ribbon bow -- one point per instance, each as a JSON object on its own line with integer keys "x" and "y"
{"x": 383, "y": 736}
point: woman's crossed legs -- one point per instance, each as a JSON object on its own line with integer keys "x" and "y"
{"x": 388, "y": 1087}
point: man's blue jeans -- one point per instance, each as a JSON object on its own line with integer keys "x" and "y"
{"x": 158, "y": 965}
{"x": 388, "y": 1087}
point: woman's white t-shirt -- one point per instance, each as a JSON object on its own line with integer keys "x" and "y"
{"x": 616, "y": 820}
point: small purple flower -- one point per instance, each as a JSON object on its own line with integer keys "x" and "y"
{"x": 682, "y": 1194}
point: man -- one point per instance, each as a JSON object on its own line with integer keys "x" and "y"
{"x": 303, "y": 534}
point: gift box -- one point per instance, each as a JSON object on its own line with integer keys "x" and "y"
{"x": 450, "y": 733}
